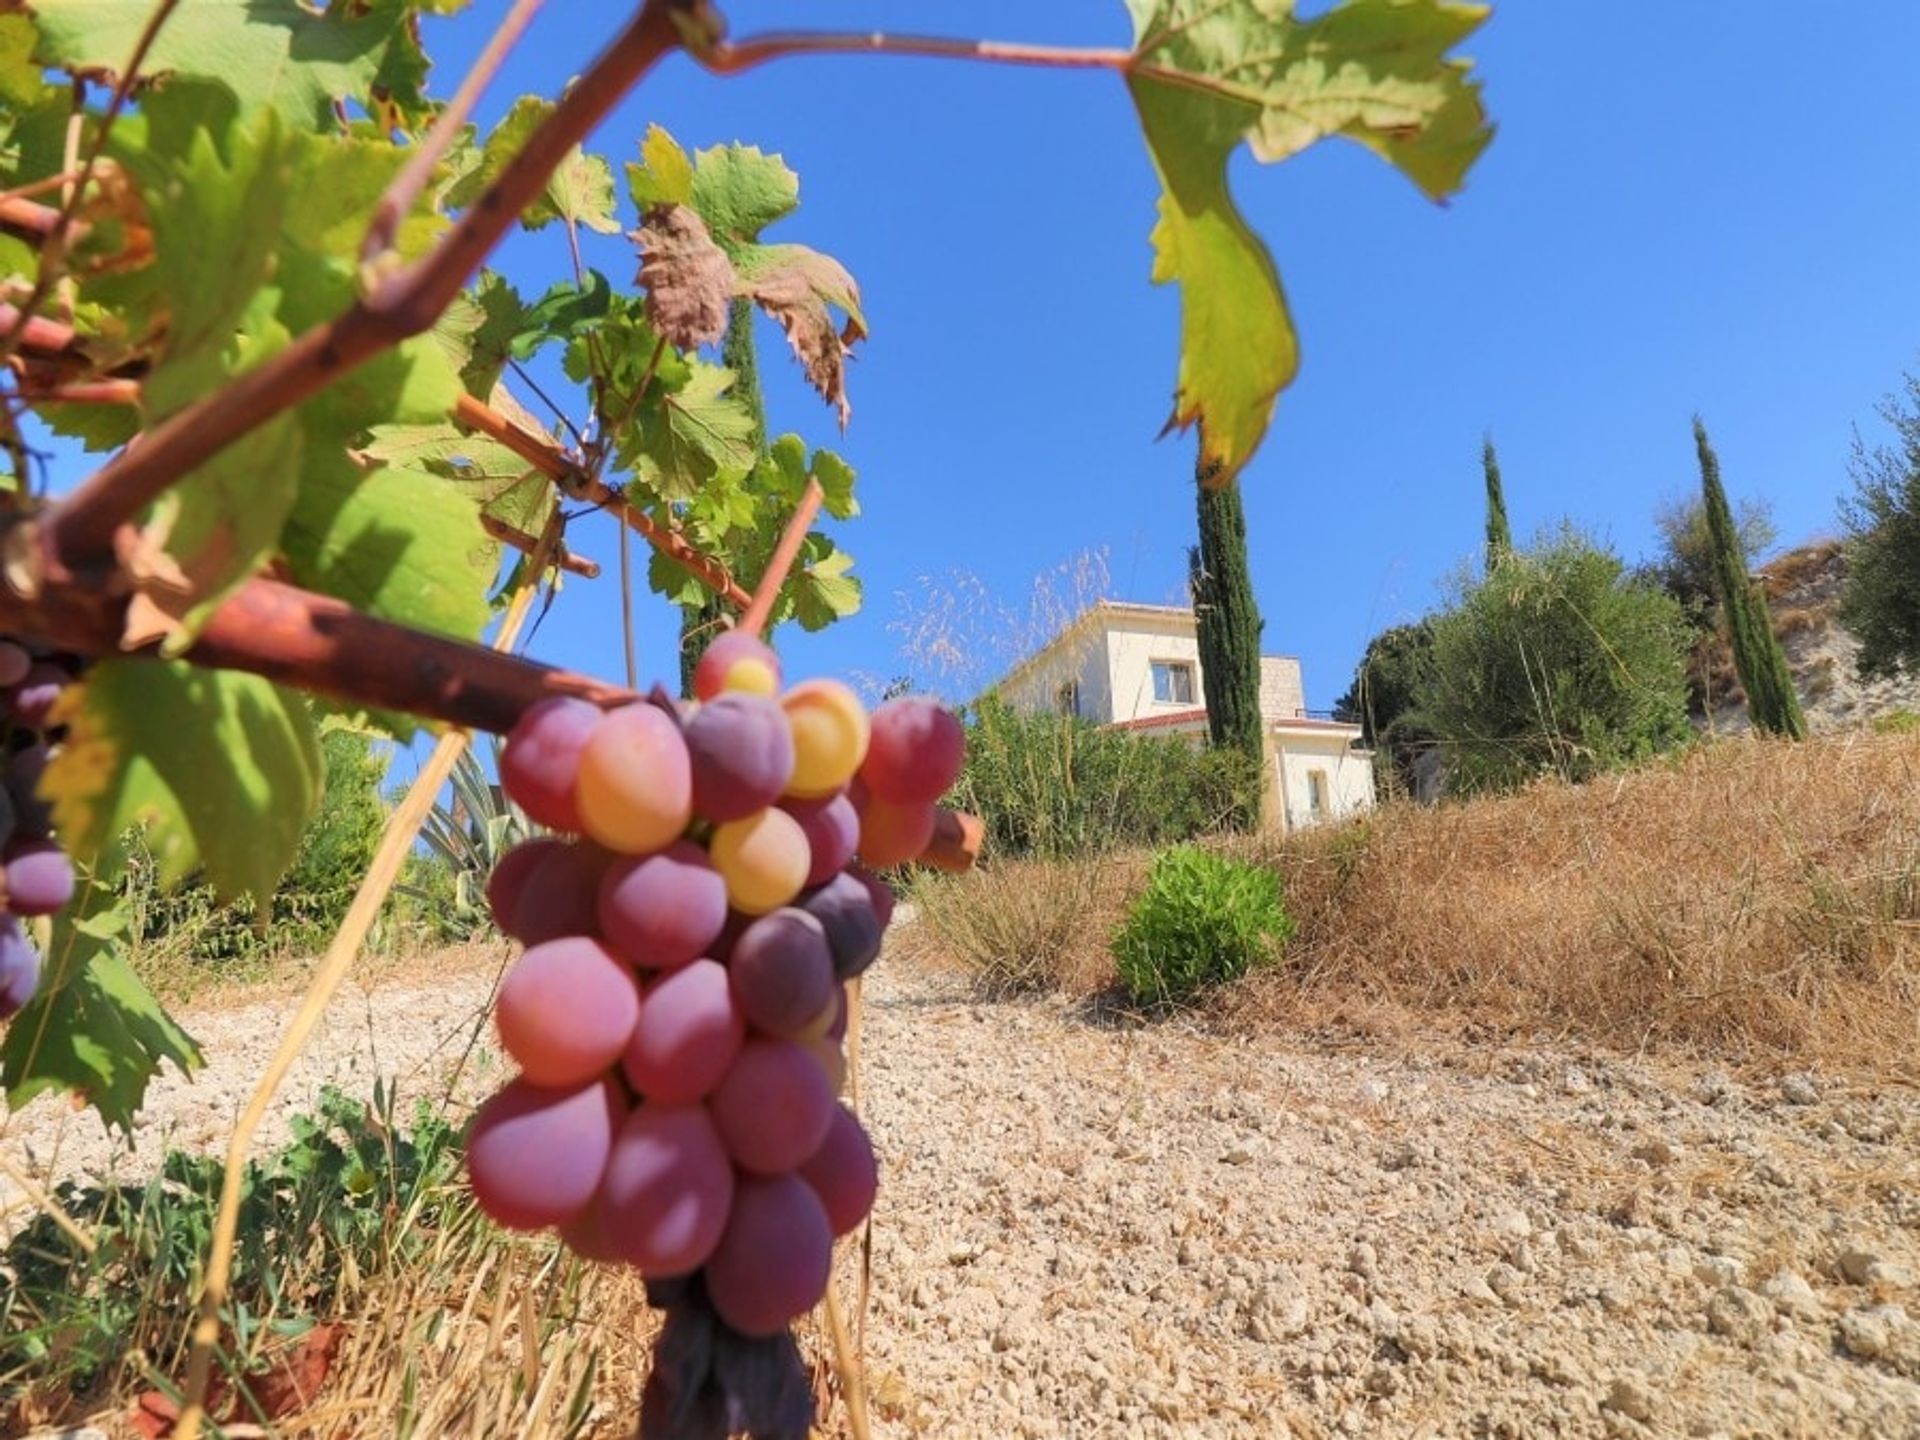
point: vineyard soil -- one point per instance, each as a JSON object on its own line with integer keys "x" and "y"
{"x": 1098, "y": 1231}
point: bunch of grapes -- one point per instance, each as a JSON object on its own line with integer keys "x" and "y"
{"x": 36, "y": 877}
{"x": 679, "y": 1012}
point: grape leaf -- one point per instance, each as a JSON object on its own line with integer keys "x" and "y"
{"x": 293, "y": 57}
{"x": 696, "y": 433}
{"x": 94, "y": 1028}
{"x": 21, "y": 84}
{"x": 1208, "y": 75}
{"x": 581, "y": 190}
{"x": 400, "y": 544}
{"x": 479, "y": 331}
{"x": 738, "y": 191}
{"x": 820, "y": 590}
{"x": 222, "y": 767}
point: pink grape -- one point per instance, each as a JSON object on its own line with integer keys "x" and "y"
{"x": 586, "y": 1235}
{"x": 915, "y": 753}
{"x": 39, "y": 877}
{"x": 782, "y": 972}
{"x": 561, "y": 895}
{"x": 773, "y": 1108}
{"x": 541, "y": 762}
{"x": 764, "y": 859}
{"x": 843, "y": 1173}
{"x": 635, "y": 788}
{"x": 844, "y": 907}
{"x": 15, "y": 662}
{"x": 741, "y": 752}
{"x": 661, "y": 911}
{"x": 775, "y": 1260}
{"x": 508, "y": 882}
{"x": 536, "y": 1156}
{"x": 32, "y": 701}
{"x": 893, "y": 834}
{"x": 19, "y": 968}
{"x": 736, "y": 662}
{"x": 832, "y": 828}
{"x": 829, "y": 737}
{"x": 668, "y": 1189}
{"x": 566, "y": 1011}
{"x": 689, "y": 1034}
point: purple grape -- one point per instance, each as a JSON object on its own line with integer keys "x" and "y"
{"x": 566, "y": 1011}
{"x": 33, "y": 700}
{"x": 535, "y": 1156}
{"x": 561, "y": 895}
{"x": 832, "y": 828}
{"x": 741, "y": 748}
{"x": 15, "y": 662}
{"x": 661, "y": 911}
{"x": 774, "y": 1262}
{"x": 542, "y": 760}
{"x": 914, "y": 752}
{"x": 19, "y": 968}
{"x": 689, "y": 1034}
{"x": 843, "y": 1173}
{"x": 667, "y": 1191}
{"x": 844, "y": 906}
{"x": 879, "y": 892}
{"x": 32, "y": 815}
{"x": 782, "y": 972}
{"x": 39, "y": 877}
{"x": 773, "y": 1108}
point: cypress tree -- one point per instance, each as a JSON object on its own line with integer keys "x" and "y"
{"x": 1772, "y": 704}
{"x": 1227, "y": 621}
{"x": 1499, "y": 533}
{"x": 701, "y": 623}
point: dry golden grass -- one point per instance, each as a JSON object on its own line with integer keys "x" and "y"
{"x": 1756, "y": 900}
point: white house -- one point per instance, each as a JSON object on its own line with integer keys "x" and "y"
{"x": 1137, "y": 667}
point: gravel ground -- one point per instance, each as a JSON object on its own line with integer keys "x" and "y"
{"x": 1087, "y": 1230}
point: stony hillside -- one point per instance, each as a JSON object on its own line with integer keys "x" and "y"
{"x": 1803, "y": 593}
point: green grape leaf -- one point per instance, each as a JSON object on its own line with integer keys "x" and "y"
{"x": 341, "y": 180}
{"x": 738, "y": 191}
{"x": 581, "y": 189}
{"x": 695, "y": 433}
{"x": 836, "y": 479}
{"x": 566, "y": 310}
{"x": 674, "y": 581}
{"x": 1208, "y": 75}
{"x": 296, "y": 58}
{"x": 21, "y": 84}
{"x": 820, "y": 590}
{"x": 221, "y": 767}
{"x": 399, "y": 544}
{"x": 94, "y": 1028}
{"x": 481, "y": 330}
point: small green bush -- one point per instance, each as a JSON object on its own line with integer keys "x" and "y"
{"x": 1204, "y": 919}
{"x": 1897, "y": 722}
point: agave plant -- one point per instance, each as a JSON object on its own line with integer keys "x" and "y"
{"x": 469, "y": 830}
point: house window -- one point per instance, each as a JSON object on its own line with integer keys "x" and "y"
{"x": 1173, "y": 682}
{"x": 1067, "y": 698}
{"x": 1317, "y": 794}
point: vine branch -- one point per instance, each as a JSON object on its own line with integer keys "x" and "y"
{"x": 730, "y": 57}
{"x": 80, "y": 529}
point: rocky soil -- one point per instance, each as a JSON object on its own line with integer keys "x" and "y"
{"x": 1088, "y": 1230}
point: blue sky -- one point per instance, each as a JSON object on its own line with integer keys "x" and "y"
{"x": 1687, "y": 206}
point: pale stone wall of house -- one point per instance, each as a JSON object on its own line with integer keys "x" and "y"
{"x": 1283, "y": 694}
{"x": 1080, "y": 658}
{"x": 1134, "y": 643}
{"x": 1347, "y": 774}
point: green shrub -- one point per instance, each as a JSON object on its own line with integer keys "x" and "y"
{"x": 1204, "y": 919}
{"x": 1897, "y": 722}
{"x": 1055, "y": 786}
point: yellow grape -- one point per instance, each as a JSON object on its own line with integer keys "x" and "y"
{"x": 635, "y": 788}
{"x": 829, "y": 737}
{"x": 764, "y": 859}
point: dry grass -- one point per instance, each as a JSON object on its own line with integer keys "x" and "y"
{"x": 1755, "y": 901}
{"x": 1026, "y": 925}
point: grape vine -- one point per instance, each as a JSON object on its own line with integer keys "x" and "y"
{"x": 244, "y": 249}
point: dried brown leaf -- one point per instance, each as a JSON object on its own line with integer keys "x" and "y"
{"x": 799, "y": 287}
{"x": 688, "y": 279}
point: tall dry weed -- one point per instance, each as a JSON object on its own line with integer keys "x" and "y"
{"x": 1756, "y": 899}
